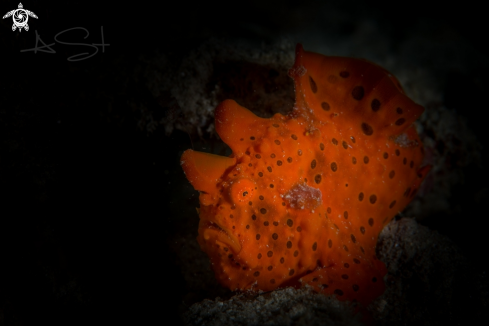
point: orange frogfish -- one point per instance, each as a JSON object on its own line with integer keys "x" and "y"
{"x": 303, "y": 197}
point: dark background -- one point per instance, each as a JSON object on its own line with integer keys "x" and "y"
{"x": 86, "y": 204}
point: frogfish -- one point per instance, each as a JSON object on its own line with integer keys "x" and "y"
{"x": 303, "y": 197}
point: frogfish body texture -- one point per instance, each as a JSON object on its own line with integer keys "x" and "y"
{"x": 303, "y": 197}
